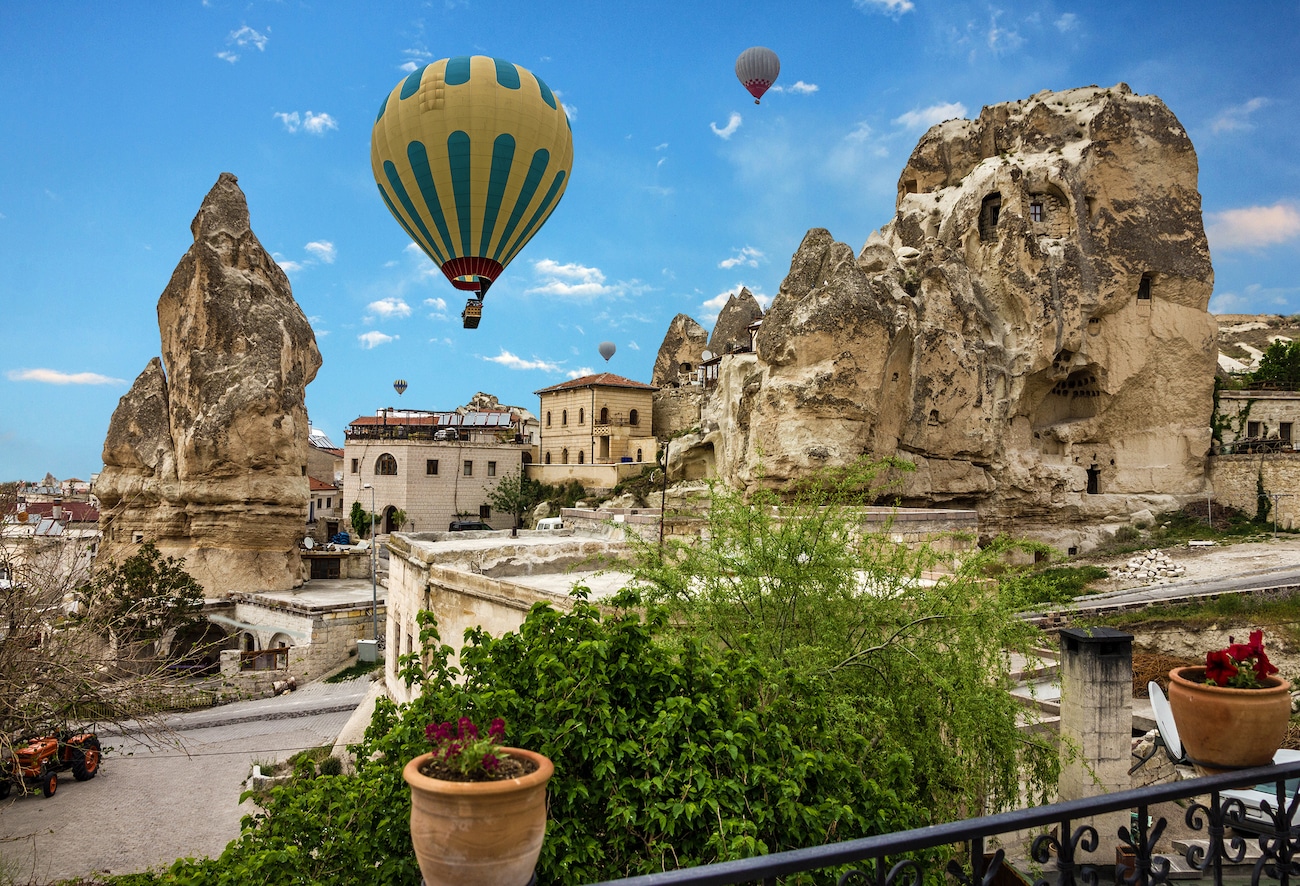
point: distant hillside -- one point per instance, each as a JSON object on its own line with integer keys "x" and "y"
{"x": 1243, "y": 337}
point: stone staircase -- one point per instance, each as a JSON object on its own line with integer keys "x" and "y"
{"x": 1038, "y": 688}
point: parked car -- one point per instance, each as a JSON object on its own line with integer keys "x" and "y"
{"x": 446, "y": 434}
{"x": 550, "y": 523}
{"x": 468, "y": 526}
{"x": 1256, "y": 821}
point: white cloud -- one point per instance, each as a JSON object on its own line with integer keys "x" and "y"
{"x": 924, "y": 118}
{"x": 389, "y": 307}
{"x": 1067, "y": 22}
{"x": 228, "y": 57}
{"x": 733, "y": 123}
{"x": 408, "y": 67}
{"x": 570, "y": 110}
{"x": 568, "y": 280}
{"x": 510, "y": 361}
{"x": 289, "y": 267}
{"x": 661, "y": 147}
{"x": 1236, "y": 118}
{"x": 436, "y": 304}
{"x": 1255, "y": 299}
{"x": 580, "y": 372}
{"x": 1000, "y": 39}
{"x": 316, "y": 124}
{"x": 322, "y": 249}
{"x": 1253, "y": 227}
{"x": 374, "y": 339}
{"x": 746, "y": 256}
{"x": 55, "y": 377}
{"x": 888, "y": 7}
{"x": 634, "y": 346}
{"x": 798, "y": 88}
{"x": 246, "y": 36}
{"x": 859, "y": 133}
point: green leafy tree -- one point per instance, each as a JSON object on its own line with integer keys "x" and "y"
{"x": 144, "y": 599}
{"x": 515, "y": 494}
{"x": 1279, "y": 366}
{"x": 360, "y": 519}
{"x": 905, "y": 650}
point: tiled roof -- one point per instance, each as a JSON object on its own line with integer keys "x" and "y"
{"x": 74, "y": 511}
{"x": 603, "y": 380}
{"x": 321, "y": 485}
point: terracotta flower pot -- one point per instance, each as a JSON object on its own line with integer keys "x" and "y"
{"x": 1223, "y": 729}
{"x": 478, "y": 833}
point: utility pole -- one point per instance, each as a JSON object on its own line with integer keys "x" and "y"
{"x": 1275, "y": 496}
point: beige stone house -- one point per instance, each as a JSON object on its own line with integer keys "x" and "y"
{"x": 1258, "y": 420}
{"x": 435, "y": 466}
{"x": 595, "y": 429}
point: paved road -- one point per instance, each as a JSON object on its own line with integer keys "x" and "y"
{"x": 150, "y": 805}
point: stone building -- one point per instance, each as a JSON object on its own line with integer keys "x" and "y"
{"x": 435, "y": 466}
{"x": 1262, "y": 421}
{"x": 597, "y": 420}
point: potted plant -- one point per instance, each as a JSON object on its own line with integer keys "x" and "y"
{"x": 1233, "y": 712}
{"x": 478, "y": 808}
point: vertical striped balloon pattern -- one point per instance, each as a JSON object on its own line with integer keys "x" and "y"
{"x": 757, "y": 69}
{"x": 471, "y": 155}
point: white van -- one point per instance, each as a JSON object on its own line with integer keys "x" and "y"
{"x": 550, "y": 524}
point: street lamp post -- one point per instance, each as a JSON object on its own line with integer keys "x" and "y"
{"x": 374, "y": 567}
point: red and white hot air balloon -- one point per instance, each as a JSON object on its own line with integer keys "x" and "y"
{"x": 757, "y": 69}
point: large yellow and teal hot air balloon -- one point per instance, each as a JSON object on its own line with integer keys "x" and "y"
{"x": 471, "y": 155}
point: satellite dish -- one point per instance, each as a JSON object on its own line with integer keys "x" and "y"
{"x": 309, "y": 542}
{"x": 1165, "y": 721}
{"x": 706, "y": 356}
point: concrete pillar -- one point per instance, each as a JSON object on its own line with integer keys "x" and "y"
{"x": 1096, "y": 725}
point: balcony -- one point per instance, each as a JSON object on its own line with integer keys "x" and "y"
{"x": 1217, "y": 854}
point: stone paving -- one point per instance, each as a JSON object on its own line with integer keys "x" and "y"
{"x": 153, "y": 803}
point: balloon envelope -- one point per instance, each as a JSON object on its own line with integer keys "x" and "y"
{"x": 606, "y": 350}
{"x": 400, "y": 386}
{"x": 757, "y": 69}
{"x": 471, "y": 154}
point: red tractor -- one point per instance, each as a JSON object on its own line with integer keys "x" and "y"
{"x": 37, "y": 763}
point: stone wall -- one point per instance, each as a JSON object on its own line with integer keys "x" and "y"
{"x": 1259, "y": 414}
{"x": 677, "y": 410}
{"x": 1236, "y": 480}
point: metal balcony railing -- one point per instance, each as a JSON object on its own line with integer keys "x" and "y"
{"x": 889, "y": 859}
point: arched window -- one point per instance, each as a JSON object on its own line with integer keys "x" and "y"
{"x": 548, "y": 456}
{"x": 604, "y": 415}
{"x": 638, "y": 455}
{"x": 564, "y": 456}
{"x": 564, "y": 417}
{"x": 582, "y": 415}
{"x": 548, "y": 418}
{"x": 632, "y": 417}
{"x": 526, "y": 458}
{"x": 990, "y": 209}
{"x": 386, "y": 464}
{"x": 581, "y": 457}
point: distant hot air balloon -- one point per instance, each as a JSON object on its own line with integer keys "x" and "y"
{"x": 471, "y": 155}
{"x": 606, "y": 350}
{"x": 757, "y": 69}
{"x": 400, "y": 386}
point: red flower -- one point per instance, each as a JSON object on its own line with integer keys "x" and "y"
{"x": 497, "y": 731}
{"x": 1219, "y": 667}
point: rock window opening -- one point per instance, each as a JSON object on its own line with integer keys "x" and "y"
{"x": 1144, "y": 288}
{"x": 1036, "y": 211}
{"x": 1094, "y": 480}
{"x": 990, "y": 209}
{"x": 1094, "y": 325}
{"x": 934, "y": 416}
{"x": 386, "y": 465}
{"x": 685, "y": 368}
{"x": 909, "y": 186}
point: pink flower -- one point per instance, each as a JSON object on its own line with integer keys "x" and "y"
{"x": 490, "y": 761}
{"x": 467, "y": 728}
{"x": 497, "y": 731}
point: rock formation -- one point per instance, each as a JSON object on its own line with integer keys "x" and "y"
{"x": 1030, "y": 329}
{"x": 731, "y": 331}
{"x": 206, "y": 455}
{"x": 680, "y": 352}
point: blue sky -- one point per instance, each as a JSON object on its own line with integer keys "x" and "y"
{"x": 116, "y": 119}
